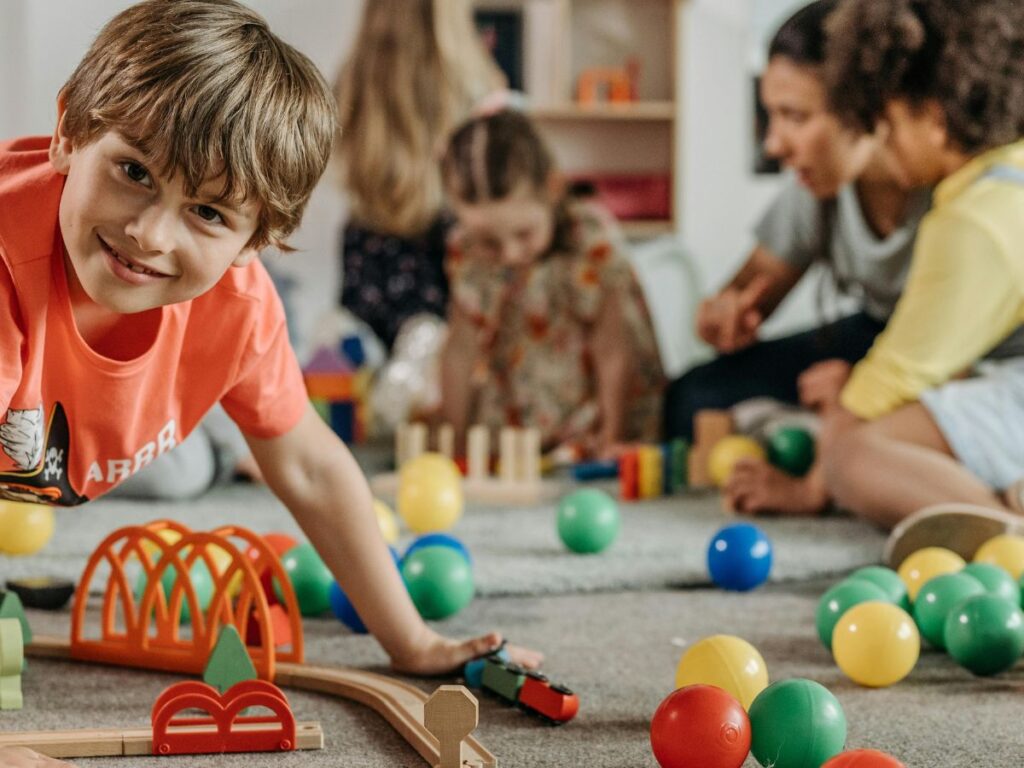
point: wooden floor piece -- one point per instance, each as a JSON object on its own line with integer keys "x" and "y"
{"x": 114, "y": 742}
{"x": 399, "y": 703}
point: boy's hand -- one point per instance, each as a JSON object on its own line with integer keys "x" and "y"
{"x": 730, "y": 320}
{"x": 440, "y": 655}
{"x": 821, "y": 384}
{"x": 20, "y": 757}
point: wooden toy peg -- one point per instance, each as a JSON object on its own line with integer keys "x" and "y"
{"x": 528, "y": 460}
{"x": 509, "y": 441}
{"x": 478, "y": 452}
{"x": 451, "y": 714}
{"x": 417, "y": 444}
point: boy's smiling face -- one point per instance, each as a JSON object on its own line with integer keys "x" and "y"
{"x": 136, "y": 241}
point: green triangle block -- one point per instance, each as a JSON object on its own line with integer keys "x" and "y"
{"x": 229, "y": 663}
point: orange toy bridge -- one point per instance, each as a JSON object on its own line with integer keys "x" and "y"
{"x": 145, "y": 630}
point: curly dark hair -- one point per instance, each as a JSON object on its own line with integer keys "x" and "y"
{"x": 966, "y": 56}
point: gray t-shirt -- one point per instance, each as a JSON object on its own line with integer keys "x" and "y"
{"x": 871, "y": 269}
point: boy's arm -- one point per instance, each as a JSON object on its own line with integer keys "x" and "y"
{"x": 313, "y": 473}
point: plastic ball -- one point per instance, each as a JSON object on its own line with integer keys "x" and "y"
{"x": 796, "y": 723}
{"x": 202, "y": 585}
{"x": 995, "y": 580}
{"x": 310, "y": 579}
{"x": 888, "y": 580}
{"x": 439, "y": 580}
{"x": 876, "y": 644}
{"x": 386, "y": 520}
{"x": 588, "y": 521}
{"x": 864, "y": 758}
{"x": 24, "y": 528}
{"x": 739, "y": 557}
{"x": 937, "y": 598}
{"x": 726, "y": 662}
{"x": 439, "y": 540}
{"x": 430, "y": 493}
{"x": 729, "y": 450}
{"x": 700, "y": 726}
{"x": 1006, "y": 551}
{"x": 791, "y": 449}
{"x": 342, "y": 607}
{"x": 925, "y": 564}
{"x": 841, "y": 598}
{"x": 985, "y": 634}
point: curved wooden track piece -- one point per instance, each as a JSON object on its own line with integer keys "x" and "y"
{"x": 399, "y": 703}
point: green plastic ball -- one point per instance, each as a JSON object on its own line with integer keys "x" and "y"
{"x": 796, "y": 723}
{"x": 588, "y": 520}
{"x": 310, "y": 578}
{"x": 791, "y": 449}
{"x": 199, "y": 575}
{"x": 888, "y": 580}
{"x": 995, "y": 579}
{"x": 937, "y": 598}
{"x": 841, "y": 598}
{"x": 440, "y": 581}
{"x": 985, "y": 634}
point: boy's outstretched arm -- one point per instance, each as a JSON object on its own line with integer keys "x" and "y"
{"x": 314, "y": 474}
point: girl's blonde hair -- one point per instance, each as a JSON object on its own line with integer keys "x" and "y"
{"x": 417, "y": 69}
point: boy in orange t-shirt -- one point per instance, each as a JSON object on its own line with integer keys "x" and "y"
{"x": 188, "y": 138}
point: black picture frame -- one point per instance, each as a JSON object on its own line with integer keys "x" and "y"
{"x": 502, "y": 33}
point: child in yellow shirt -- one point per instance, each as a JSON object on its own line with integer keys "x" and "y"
{"x": 946, "y": 78}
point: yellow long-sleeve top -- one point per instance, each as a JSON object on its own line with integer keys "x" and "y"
{"x": 964, "y": 293}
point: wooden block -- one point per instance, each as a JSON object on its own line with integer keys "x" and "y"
{"x": 329, "y": 386}
{"x": 508, "y": 470}
{"x": 528, "y": 458}
{"x": 446, "y": 440}
{"x": 229, "y": 662}
{"x": 710, "y": 426}
{"x": 12, "y": 656}
{"x": 629, "y": 466}
{"x": 417, "y": 444}
{"x": 697, "y": 467}
{"x": 478, "y": 452}
{"x": 650, "y": 482}
{"x": 675, "y": 469}
{"x": 451, "y": 714}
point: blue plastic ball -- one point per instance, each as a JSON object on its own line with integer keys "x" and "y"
{"x": 439, "y": 540}
{"x": 739, "y": 557}
{"x": 342, "y": 607}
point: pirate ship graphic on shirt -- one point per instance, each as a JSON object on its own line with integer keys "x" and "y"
{"x": 41, "y": 457}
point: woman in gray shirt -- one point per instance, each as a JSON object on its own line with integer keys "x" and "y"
{"x": 847, "y": 204}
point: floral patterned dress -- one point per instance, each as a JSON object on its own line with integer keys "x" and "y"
{"x": 534, "y": 325}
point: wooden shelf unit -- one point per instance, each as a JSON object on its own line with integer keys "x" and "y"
{"x": 560, "y": 39}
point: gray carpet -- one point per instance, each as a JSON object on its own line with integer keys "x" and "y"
{"x": 662, "y": 544}
{"x": 618, "y": 651}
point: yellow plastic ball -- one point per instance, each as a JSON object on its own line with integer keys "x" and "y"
{"x": 430, "y": 493}
{"x": 876, "y": 644}
{"x": 926, "y": 564}
{"x": 169, "y": 535}
{"x": 726, "y": 662}
{"x": 1006, "y": 551}
{"x": 729, "y": 450}
{"x": 24, "y": 528}
{"x": 386, "y": 520}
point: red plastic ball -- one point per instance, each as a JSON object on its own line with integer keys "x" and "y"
{"x": 700, "y": 726}
{"x": 863, "y": 758}
{"x": 279, "y": 542}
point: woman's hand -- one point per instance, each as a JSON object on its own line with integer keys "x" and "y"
{"x": 729, "y": 321}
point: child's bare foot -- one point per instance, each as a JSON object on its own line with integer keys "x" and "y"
{"x": 756, "y": 487}
{"x": 20, "y": 757}
{"x": 440, "y": 655}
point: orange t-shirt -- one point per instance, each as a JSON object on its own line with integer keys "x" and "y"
{"x": 73, "y": 424}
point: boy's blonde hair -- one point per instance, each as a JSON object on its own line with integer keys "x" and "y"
{"x": 204, "y": 89}
{"x": 417, "y": 69}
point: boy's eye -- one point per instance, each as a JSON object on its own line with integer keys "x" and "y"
{"x": 206, "y": 213}
{"x": 135, "y": 172}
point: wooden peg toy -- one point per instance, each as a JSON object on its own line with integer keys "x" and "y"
{"x": 451, "y": 714}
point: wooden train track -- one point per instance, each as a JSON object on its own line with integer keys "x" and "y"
{"x": 400, "y": 704}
